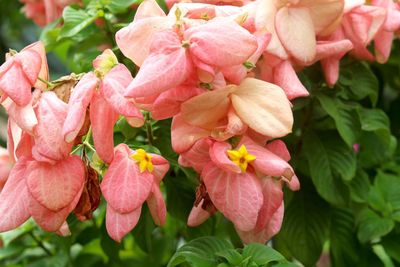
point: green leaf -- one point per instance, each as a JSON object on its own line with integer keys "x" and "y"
{"x": 392, "y": 246}
{"x": 343, "y": 242}
{"x": 231, "y": 255}
{"x": 262, "y": 254}
{"x": 143, "y": 230}
{"x": 120, "y": 6}
{"x": 11, "y": 250}
{"x": 181, "y": 195}
{"x": 375, "y": 150}
{"x": 305, "y": 225}
{"x": 372, "y": 226}
{"x": 75, "y": 21}
{"x": 330, "y": 161}
{"x": 346, "y": 119}
{"x": 384, "y": 196}
{"x": 126, "y": 129}
{"x": 360, "y": 186}
{"x": 50, "y": 34}
{"x": 373, "y": 119}
{"x": 359, "y": 82}
{"x": 200, "y": 252}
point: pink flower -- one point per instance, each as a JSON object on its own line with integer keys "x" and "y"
{"x": 243, "y": 183}
{"x": 170, "y": 64}
{"x": 281, "y": 73}
{"x": 104, "y": 94}
{"x": 21, "y": 71}
{"x": 177, "y": 51}
{"x": 227, "y": 112}
{"x": 23, "y": 116}
{"x": 47, "y": 193}
{"x": 360, "y": 25}
{"x": 294, "y": 25}
{"x": 49, "y": 144}
{"x": 384, "y": 37}
{"x": 330, "y": 52}
{"x": 5, "y": 166}
{"x": 133, "y": 178}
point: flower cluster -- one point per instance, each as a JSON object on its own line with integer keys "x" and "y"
{"x": 47, "y": 182}
{"x": 224, "y": 72}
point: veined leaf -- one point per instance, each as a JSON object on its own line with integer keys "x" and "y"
{"x": 330, "y": 162}
{"x": 262, "y": 254}
{"x": 200, "y": 252}
{"x": 343, "y": 241}
{"x": 345, "y": 117}
{"x": 75, "y": 21}
{"x": 305, "y": 226}
{"x": 372, "y": 226}
{"x": 120, "y": 6}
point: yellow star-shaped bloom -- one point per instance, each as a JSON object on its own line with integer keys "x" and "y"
{"x": 241, "y": 157}
{"x": 144, "y": 160}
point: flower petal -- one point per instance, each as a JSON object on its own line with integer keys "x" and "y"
{"x": 24, "y": 116}
{"x": 14, "y": 198}
{"x": 295, "y": 29}
{"x": 273, "y": 199}
{"x": 156, "y": 205}
{"x": 167, "y": 66}
{"x": 124, "y": 187}
{"x": 267, "y": 233}
{"x": 103, "y": 119}
{"x": 197, "y": 156}
{"x": 51, "y": 221}
{"x": 207, "y": 109}
{"x": 15, "y": 84}
{"x": 113, "y": 87}
{"x": 197, "y": 215}
{"x": 56, "y": 186}
{"x": 135, "y": 39}
{"x": 168, "y": 104}
{"x": 286, "y": 77}
{"x": 49, "y": 141}
{"x": 267, "y": 162}
{"x": 44, "y": 69}
{"x": 80, "y": 98}
{"x": 184, "y": 135}
{"x": 119, "y": 224}
{"x": 220, "y": 158}
{"x": 263, "y": 107}
{"x": 237, "y": 196}
{"x": 206, "y": 41}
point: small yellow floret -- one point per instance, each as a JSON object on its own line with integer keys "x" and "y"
{"x": 241, "y": 157}
{"x": 144, "y": 160}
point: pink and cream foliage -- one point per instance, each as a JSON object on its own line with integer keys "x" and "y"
{"x": 224, "y": 72}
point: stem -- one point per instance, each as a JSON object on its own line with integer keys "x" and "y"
{"x": 88, "y": 145}
{"x": 86, "y": 142}
{"x": 49, "y": 84}
{"x": 149, "y": 129}
{"x": 48, "y": 252}
{"x": 76, "y": 149}
{"x": 88, "y": 135}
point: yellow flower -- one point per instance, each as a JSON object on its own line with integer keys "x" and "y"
{"x": 241, "y": 157}
{"x": 144, "y": 160}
